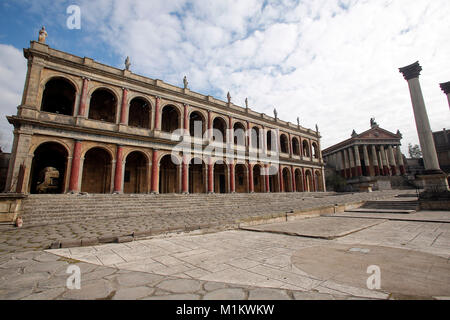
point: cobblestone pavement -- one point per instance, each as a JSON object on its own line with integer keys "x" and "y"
{"x": 14, "y": 240}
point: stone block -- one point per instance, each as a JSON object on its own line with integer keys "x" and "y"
{"x": 107, "y": 239}
{"x": 125, "y": 239}
{"x": 70, "y": 243}
{"x": 87, "y": 242}
{"x": 55, "y": 245}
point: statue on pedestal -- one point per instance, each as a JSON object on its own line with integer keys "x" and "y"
{"x": 229, "y": 97}
{"x": 42, "y": 35}
{"x": 298, "y": 121}
{"x": 127, "y": 63}
{"x": 275, "y": 113}
{"x": 185, "y": 82}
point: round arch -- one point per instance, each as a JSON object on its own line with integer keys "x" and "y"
{"x": 136, "y": 173}
{"x": 97, "y": 168}
{"x": 239, "y": 133}
{"x": 284, "y": 143}
{"x": 59, "y": 96}
{"x": 103, "y": 105}
{"x": 258, "y": 179}
{"x": 197, "y": 176}
{"x": 170, "y": 118}
{"x": 287, "y": 181}
{"x": 219, "y": 127}
{"x": 299, "y": 180}
{"x": 295, "y": 146}
{"x": 241, "y": 178}
{"x": 274, "y": 181}
{"x": 168, "y": 174}
{"x": 139, "y": 113}
{"x": 197, "y": 124}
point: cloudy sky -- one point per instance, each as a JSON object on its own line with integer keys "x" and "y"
{"x": 330, "y": 62}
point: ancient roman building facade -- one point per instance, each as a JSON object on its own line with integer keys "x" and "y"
{"x": 375, "y": 152}
{"x": 86, "y": 127}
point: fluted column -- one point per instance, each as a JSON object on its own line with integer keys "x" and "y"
{"x": 366, "y": 161}
{"x": 346, "y": 164}
{"x": 392, "y": 160}
{"x": 376, "y": 167}
{"x": 74, "y": 184}
{"x": 446, "y": 88}
{"x": 384, "y": 161}
{"x": 357, "y": 162}
{"x": 401, "y": 164}
{"x": 352, "y": 162}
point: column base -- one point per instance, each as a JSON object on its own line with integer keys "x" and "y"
{"x": 154, "y": 192}
{"x": 117, "y": 192}
{"x": 435, "y": 182}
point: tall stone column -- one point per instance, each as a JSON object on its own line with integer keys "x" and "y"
{"x": 352, "y": 162}
{"x": 341, "y": 163}
{"x": 376, "y": 168}
{"x": 123, "y": 108}
{"x": 185, "y": 175}
{"x": 366, "y": 161}
{"x": 232, "y": 179}
{"x": 392, "y": 160}
{"x": 280, "y": 174}
{"x": 155, "y": 172}
{"x": 401, "y": 164}
{"x": 357, "y": 162}
{"x": 294, "y": 189}
{"x": 210, "y": 176}
{"x": 251, "y": 184}
{"x": 82, "y": 107}
{"x": 157, "y": 113}
{"x": 435, "y": 179}
{"x": 384, "y": 161}
{"x": 118, "y": 176}
{"x": 74, "y": 184}
{"x": 446, "y": 88}
{"x": 346, "y": 164}
{"x": 186, "y": 119}
{"x": 266, "y": 178}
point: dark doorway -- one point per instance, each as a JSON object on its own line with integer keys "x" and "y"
{"x": 103, "y": 106}
{"x": 59, "y": 97}
{"x": 96, "y": 171}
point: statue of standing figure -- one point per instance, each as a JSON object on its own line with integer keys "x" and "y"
{"x": 185, "y": 82}
{"x": 275, "y": 113}
{"x": 127, "y": 63}
{"x": 246, "y": 103}
{"x": 229, "y": 97}
{"x": 298, "y": 121}
{"x": 42, "y": 35}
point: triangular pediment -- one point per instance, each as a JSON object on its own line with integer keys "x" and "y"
{"x": 377, "y": 133}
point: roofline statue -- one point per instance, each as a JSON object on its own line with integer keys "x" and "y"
{"x": 42, "y": 35}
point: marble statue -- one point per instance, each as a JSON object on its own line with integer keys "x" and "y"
{"x": 42, "y": 35}
{"x": 127, "y": 63}
{"x": 185, "y": 82}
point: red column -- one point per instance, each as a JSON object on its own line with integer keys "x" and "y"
{"x": 267, "y": 178}
{"x": 249, "y": 135}
{"x": 75, "y": 170}
{"x": 250, "y": 178}
{"x": 402, "y": 170}
{"x": 314, "y": 180}
{"x": 210, "y": 177}
{"x": 230, "y": 127}
{"x": 294, "y": 189}
{"x": 290, "y": 145}
{"x": 186, "y": 120}
{"x": 232, "y": 179}
{"x": 305, "y": 186}
{"x": 155, "y": 171}
{"x": 82, "y": 108}
{"x": 123, "y": 113}
{"x": 280, "y": 174}
{"x": 118, "y": 186}
{"x": 157, "y": 122}
{"x": 185, "y": 172}
{"x": 210, "y": 134}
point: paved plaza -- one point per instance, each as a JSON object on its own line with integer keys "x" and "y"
{"x": 324, "y": 257}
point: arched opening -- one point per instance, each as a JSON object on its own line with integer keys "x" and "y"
{"x": 196, "y": 125}
{"x": 315, "y": 150}
{"x": 284, "y": 144}
{"x": 287, "y": 180}
{"x": 220, "y": 178}
{"x": 169, "y": 119}
{"x": 197, "y": 176}
{"x": 96, "y": 171}
{"x": 135, "y": 176}
{"x": 309, "y": 182}
{"x": 258, "y": 179}
{"x": 274, "y": 181}
{"x": 139, "y": 113}
{"x": 318, "y": 181}
{"x": 239, "y": 134}
{"x": 59, "y": 97}
{"x": 299, "y": 180}
{"x": 295, "y": 146}
{"x": 306, "y": 152}
{"x": 256, "y": 143}
{"x": 270, "y": 140}
{"x": 103, "y": 106}
{"x": 219, "y": 130}
{"x": 168, "y": 175}
{"x": 48, "y": 170}
{"x": 240, "y": 176}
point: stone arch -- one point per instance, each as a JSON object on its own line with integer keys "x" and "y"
{"x": 299, "y": 180}
{"x": 221, "y": 176}
{"x": 103, "y": 105}
{"x": 170, "y": 118}
{"x": 270, "y": 140}
{"x": 197, "y": 176}
{"x": 239, "y": 134}
{"x": 49, "y": 168}
{"x": 135, "y": 173}
{"x": 168, "y": 174}
{"x": 59, "y": 96}
{"x": 258, "y": 178}
{"x": 318, "y": 181}
{"x": 315, "y": 148}
{"x": 256, "y": 139}
{"x": 284, "y": 143}
{"x": 219, "y": 125}
{"x": 97, "y": 168}
{"x": 295, "y": 146}
{"x": 196, "y": 128}
{"x": 287, "y": 180}
{"x": 309, "y": 182}
{"x": 241, "y": 178}
{"x": 139, "y": 113}
{"x": 274, "y": 181}
{"x": 305, "y": 147}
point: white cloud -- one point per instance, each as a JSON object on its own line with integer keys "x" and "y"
{"x": 13, "y": 70}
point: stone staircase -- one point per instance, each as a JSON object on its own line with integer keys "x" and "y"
{"x": 56, "y": 209}
{"x": 389, "y": 206}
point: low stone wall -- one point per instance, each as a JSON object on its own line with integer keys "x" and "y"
{"x": 10, "y": 207}
{"x": 438, "y": 205}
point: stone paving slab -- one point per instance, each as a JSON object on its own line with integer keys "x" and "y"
{"x": 321, "y": 227}
{"x": 420, "y": 216}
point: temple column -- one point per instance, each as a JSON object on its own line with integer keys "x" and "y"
{"x": 366, "y": 161}
{"x": 157, "y": 112}
{"x": 401, "y": 164}
{"x": 341, "y": 163}
{"x": 392, "y": 160}
{"x": 185, "y": 175}
{"x": 232, "y": 178}
{"x": 280, "y": 174}
{"x": 266, "y": 178}
{"x": 446, "y": 88}
{"x": 352, "y": 162}
{"x": 346, "y": 164}
{"x": 74, "y": 184}
{"x": 118, "y": 176}
{"x": 123, "y": 108}
{"x": 251, "y": 186}
{"x": 210, "y": 176}
{"x": 294, "y": 189}
{"x": 384, "y": 161}
{"x": 155, "y": 172}
{"x": 376, "y": 168}
{"x": 82, "y": 107}
{"x": 357, "y": 162}
{"x": 314, "y": 180}
{"x": 186, "y": 119}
